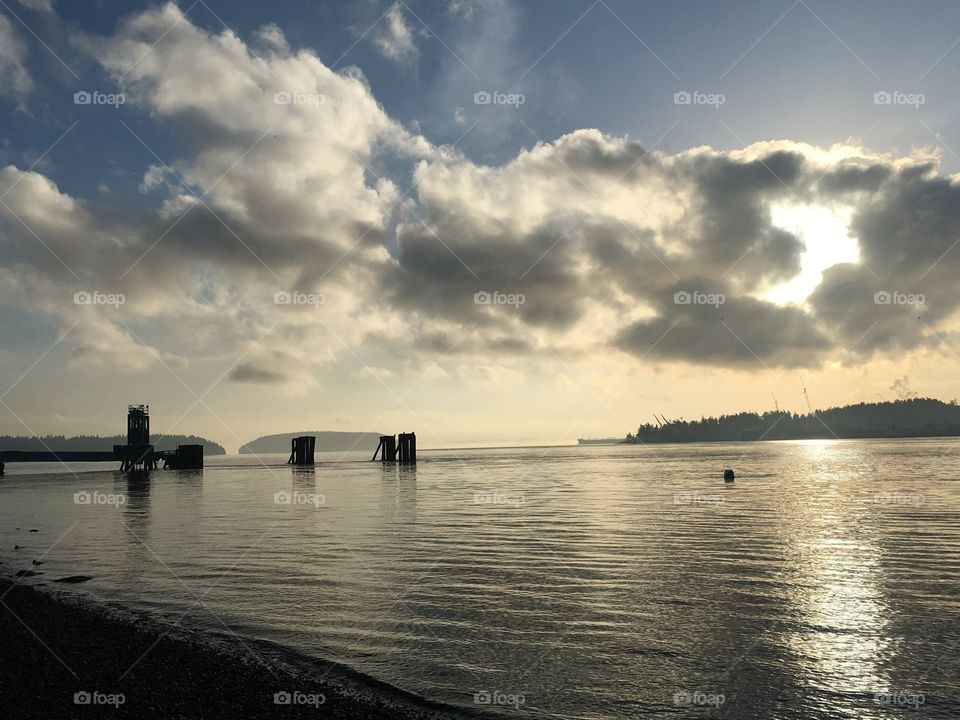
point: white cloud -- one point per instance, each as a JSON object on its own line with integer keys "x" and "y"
{"x": 45, "y": 6}
{"x": 393, "y": 36}
{"x": 13, "y": 53}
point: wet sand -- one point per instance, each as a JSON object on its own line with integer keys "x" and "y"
{"x": 52, "y": 648}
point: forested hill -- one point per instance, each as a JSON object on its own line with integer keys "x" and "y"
{"x": 95, "y": 443}
{"x": 916, "y": 417}
{"x": 326, "y": 440}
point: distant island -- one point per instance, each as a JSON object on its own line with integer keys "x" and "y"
{"x": 326, "y": 441}
{"x": 96, "y": 443}
{"x": 915, "y": 417}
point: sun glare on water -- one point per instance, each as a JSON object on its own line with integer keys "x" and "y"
{"x": 824, "y": 232}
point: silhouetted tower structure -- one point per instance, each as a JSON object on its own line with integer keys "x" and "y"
{"x": 138, "y": 452}
{"x": 138, "y": 425}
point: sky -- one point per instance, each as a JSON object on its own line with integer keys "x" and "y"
{"x": 489, "y": 222}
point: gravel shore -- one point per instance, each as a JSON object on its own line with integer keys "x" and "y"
{"x": 65, "y": 659}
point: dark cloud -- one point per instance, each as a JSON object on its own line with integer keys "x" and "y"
{"x": 742, "y": 332}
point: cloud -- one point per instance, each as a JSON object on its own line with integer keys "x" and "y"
{"x": 393, "y": 36}
{"x": 374, "y": 373}
{"x": 13, "y": 52}
{"x": 45, "y": 6}
{"x": 288, "y": 184}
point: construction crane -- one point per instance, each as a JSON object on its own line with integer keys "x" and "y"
{"x": 775, "y": 403}
{"x": 805, "y": 396}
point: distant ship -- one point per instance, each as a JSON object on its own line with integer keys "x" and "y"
{"x": 599, "y": 441}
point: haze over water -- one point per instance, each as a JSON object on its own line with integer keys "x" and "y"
{"x": 576, "y": 582}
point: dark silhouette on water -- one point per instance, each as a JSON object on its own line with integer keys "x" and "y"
{"x": 387, "y": 449}
{"x": 301, "y": 450}
{"x": 137, "y": 454}
{"x": 728, "y": 475}
{"x": 390, "y": 451}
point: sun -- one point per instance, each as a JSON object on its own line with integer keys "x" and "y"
{"x": 825, "y": 234}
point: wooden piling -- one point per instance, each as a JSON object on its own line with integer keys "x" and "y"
{"x": 302, "y": 449}
{"x": 408, "y": 448}
{"x": 387, "y": 449}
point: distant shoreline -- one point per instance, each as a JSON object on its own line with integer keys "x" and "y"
{"x": 900, "y": 419}
{"x": 88, "y": 649}
{"x": 785, "y": 439}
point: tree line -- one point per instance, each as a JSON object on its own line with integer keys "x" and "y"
{"x": 97, "y": 443}
{"x": 914, "y": 417}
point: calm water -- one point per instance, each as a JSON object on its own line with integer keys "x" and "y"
{"x": 597, "y": 582}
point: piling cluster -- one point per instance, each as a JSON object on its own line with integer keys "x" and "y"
{"x": 404, "y": 451}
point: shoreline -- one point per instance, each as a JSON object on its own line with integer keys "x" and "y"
{"x": 52, "y": 648}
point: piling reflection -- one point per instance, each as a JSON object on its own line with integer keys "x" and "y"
{"x": 136, "y": 521}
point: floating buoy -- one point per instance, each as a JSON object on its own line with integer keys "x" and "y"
{"x": 728, "y": 475}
